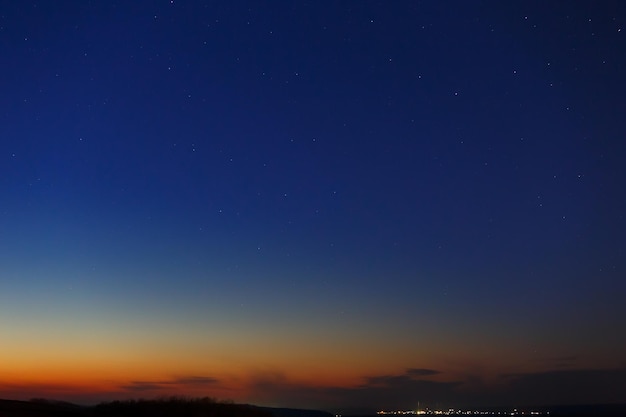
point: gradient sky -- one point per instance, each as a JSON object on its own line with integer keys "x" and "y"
{"x": 326, "y": 204}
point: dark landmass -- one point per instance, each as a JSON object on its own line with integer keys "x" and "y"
{"x": 296, "y": 412}
{"x": 131, "y": 408}
{"x": 207, "y": 407}
{"x": 39, "y": 408}
{"x": 592, "y": 410}
{"x": 603, "y": 410}
{"x": 178, "y": 407}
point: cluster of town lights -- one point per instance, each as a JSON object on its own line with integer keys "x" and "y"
{"x": 454, "y": 412}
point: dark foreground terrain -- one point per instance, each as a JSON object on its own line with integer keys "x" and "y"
{"x": 596, "y": 410}
{"x": 179, "y": 407}
{"x": 606, "y": 410}
{"x": 206, "y": 407}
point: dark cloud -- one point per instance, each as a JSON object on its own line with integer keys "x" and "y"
{"x": 385, "y": 380}
{"x": 411, "y": 374}
{"x": 139, "y": 386}
{"x": 421, "y": 372}
{"x": 196, "y": 380}
{"x": 185, "y": 381}
{"x": 564, "y": 358}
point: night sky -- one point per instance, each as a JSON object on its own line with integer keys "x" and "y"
{"x": 320, "y": 204}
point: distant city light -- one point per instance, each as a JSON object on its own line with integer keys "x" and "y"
{"x": 455, "y": 412}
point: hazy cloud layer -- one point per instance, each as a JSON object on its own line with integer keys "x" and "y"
{"x": 377, "y": 391}
{"x": 406, "y": 390}
{"x": 568, "y": 386}
{"x": 560, "y": 362}
{"x": 403, "y": 390}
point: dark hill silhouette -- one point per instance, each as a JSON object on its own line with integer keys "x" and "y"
{"x": 39, "y": 408}
{"x": 162, "y": 407}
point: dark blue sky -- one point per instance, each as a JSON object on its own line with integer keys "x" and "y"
{"x": 436, "y": 185}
